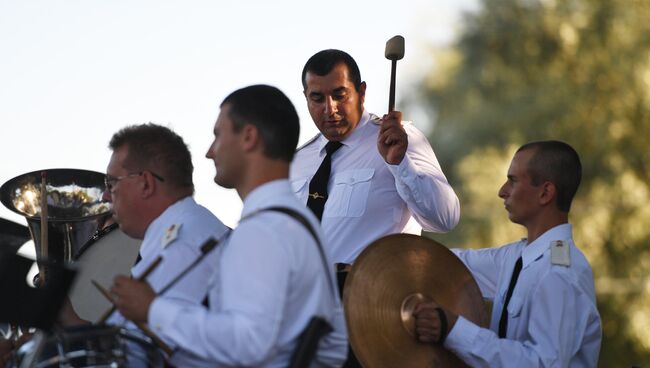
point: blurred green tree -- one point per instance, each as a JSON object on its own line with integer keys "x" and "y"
{"x": 573, "y": 70}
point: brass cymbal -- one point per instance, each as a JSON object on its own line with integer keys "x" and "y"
{"x": 385, "y": 283}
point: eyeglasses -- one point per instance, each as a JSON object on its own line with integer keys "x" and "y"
{"x": 111, "y": 181}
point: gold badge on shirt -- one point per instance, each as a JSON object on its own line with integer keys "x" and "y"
{"x": 170, "y": 235}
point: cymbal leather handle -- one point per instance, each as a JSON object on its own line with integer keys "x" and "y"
{"x": 444, "y": 325}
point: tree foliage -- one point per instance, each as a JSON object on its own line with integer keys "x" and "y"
{"x": 573, "y": 70}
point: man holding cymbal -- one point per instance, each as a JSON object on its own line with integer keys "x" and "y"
{"x": 544, "y": 312}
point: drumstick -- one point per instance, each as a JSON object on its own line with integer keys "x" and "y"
{"x": 150, "y": 269}
{"x": 142, "y": 277}
{"x": 150, "y": 334}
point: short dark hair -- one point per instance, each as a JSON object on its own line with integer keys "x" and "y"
{"x": 272, "y": 113}
{"x": 558, "y": 163}
{"x": 156, "y": 148}
{"x": 324, "y": 61}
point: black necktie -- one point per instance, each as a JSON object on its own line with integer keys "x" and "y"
{"x": 318, "y": 184}
{"x": 503, "y": 322}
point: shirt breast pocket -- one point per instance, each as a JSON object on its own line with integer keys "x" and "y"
{"x": 349, "y": 193}
{"x": 515, "y": 306}
{"x": 300, "y": 189}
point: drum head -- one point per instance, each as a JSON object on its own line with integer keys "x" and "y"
{"x": 103, "y": 258}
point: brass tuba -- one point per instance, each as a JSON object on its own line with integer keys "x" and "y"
{"x": 75, "y": 209}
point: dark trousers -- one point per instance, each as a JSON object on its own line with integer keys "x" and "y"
{"x": 352, "y": 361}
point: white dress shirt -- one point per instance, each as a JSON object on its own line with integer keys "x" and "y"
{"x": 270, "y": 281}
{"x": 194, "y": 225}
{"x": 552, "y": 315}
{"x": 369, "y": 198}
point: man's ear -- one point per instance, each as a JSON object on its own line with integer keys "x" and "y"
{"x": 548, "y": 193}
{"x": 250, "y": 137}
{"x": 148, "y": 184}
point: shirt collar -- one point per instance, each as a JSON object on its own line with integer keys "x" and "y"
{"x": 265, "y": 195}
{"x": 353, "y": 138}
{"x": 535, "y": 249}
{"x": 170, "y": 213}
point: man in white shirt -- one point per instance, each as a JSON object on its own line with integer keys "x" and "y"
{"x": 149, "y": 182}
{"x": 272, "y": 276}
{"x": 382, "y": 175}
{"x": 544, "y": 312}
{"x": 385, "y": 178}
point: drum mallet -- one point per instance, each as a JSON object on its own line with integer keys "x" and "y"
{"x": 142, "y": 277}
{"x": 143, "y": 327}
{"x": 394, "y": 52}
{"x": 44, "y": 229}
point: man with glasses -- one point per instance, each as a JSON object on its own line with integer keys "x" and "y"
{"x": 149, "y": 182}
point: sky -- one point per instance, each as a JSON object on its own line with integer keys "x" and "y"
{"x": 74, "y": 72}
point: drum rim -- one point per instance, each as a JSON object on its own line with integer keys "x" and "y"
{"x": 118, "y": 334}
{"x": 94, "y": 239}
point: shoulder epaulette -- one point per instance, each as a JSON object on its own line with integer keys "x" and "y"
{"x": 560, "y": 253}
{"x": 310, "y": 141}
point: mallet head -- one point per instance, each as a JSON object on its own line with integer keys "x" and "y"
{"x": 395, "y": 48}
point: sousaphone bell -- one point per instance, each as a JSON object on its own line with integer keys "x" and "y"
{"x": 75, "y": 209}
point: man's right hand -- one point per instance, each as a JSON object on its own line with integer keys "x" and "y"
{"x": 133, "y": 298}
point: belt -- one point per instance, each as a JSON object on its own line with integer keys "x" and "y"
{"x": 342, "y": 270}
{"x": 343, "y": 267}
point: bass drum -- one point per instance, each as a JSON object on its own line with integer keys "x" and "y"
{"x": 107, "y": 254}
